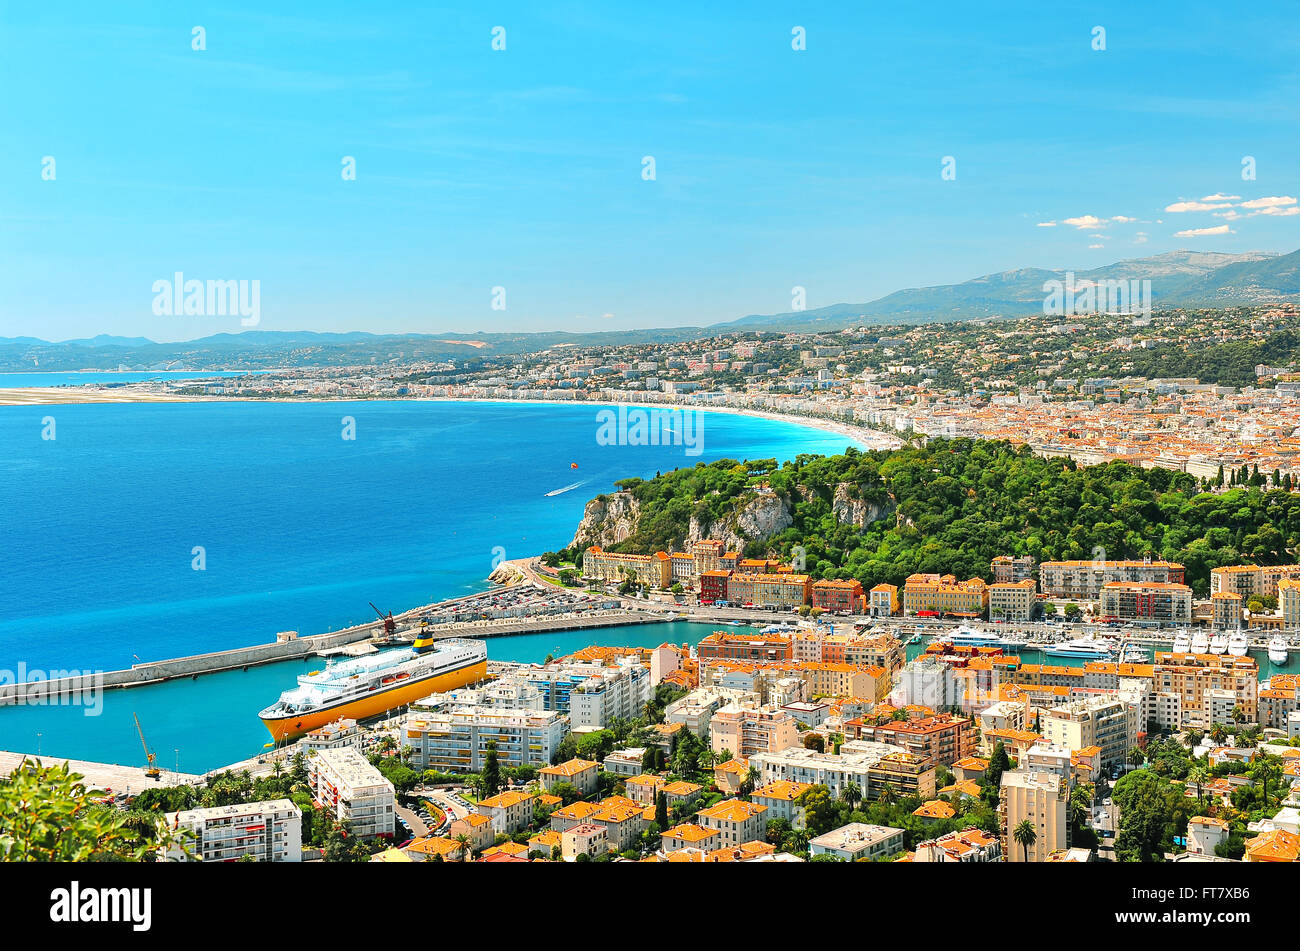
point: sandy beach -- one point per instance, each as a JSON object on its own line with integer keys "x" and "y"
{"x": 859, "y": 436}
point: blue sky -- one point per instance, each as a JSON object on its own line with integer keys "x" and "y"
{"x": 523, "y": 168}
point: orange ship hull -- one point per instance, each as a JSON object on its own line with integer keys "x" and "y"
{"x": 374, "y": 704}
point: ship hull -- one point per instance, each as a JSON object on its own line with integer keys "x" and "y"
{"x": 373, "y": 704}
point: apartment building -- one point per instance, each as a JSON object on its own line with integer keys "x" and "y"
{"x": 1166, "y": 603}
{"x": 968, "y": 845}
{"x": 744, "y": 731}
{"x": 780, "y": 799}
{"x": 655, "y": 570}
{"x": 1107, "y": 722}
{"x": 713, "y": 586}
{"x": 612, "y": 692}
{"x": 1009, "y": 570}
{"x": 841, "y": 597}
{"x": 735, "y": 821}
{"x": 870, "y": 766}
{"x": 457, "y": 740}
{"x": 1042, "y": 798}
{"x": 1250, "y": 581}
{"x": 930, "y": 594}
{"x": 345, "y": 785}
{"x": 883, "y": 601}
{"x": 1288, "y": 602}
{"x": 943, "y": 738}
{"x": 772, "y": 591}
{"x": 727, "y": 645}
{"x": 581, "y": 774}
{"x": 1226, "y": 608}
{"x": 268, "y": 831}
{"x": 1083, "y": 580}
{"x": 1012, "y": 600}
{"x": 510, "y": 811}
{"x": 1191, "y": 677}
{"x": 858, "y": 841}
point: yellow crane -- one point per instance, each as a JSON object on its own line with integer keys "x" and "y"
{"x": 152, "y": 771}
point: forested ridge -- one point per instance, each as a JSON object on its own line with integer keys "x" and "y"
{"x": 961, "y": 502}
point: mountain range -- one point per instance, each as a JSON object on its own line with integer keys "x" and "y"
{"x": 1178, "y": 279}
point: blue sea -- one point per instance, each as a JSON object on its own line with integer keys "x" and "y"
{"x": 295, "y": 526}
{"x": 105, "y": 377}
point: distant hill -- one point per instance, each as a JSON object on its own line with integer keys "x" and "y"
{"x": 1178, "y": 278}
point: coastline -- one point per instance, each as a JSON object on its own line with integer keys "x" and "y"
{"x": 860, "y": 436}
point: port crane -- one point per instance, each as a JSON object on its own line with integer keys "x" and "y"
{"x": 152, "y": 771}
{"x": 390, "y": 626}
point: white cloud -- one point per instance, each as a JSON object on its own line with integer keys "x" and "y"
{"x": 1218, "y": 197}
{"x": 1270, "y": 202}
{"x": 1276, "y": 210}
{"x": 1094, "y": 246}
{"x": 1086, "y": 222}
{"x": 1047, "y": 224}
{"x": 1193, "y": 206}
{"x": 1201, "y": 232}
{"x": 1140, "y": 238}
{"x": 1122, "y": 219}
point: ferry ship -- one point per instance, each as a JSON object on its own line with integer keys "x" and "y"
{"x": 1087, "y": 647}
{"x": 1277, "y": 652}
{"x": 1238, "y": 644}
{"x": 374, "y": 684}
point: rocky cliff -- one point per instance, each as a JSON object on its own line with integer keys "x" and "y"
{"x": 757, "y": 516}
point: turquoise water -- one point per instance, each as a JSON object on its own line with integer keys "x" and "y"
{"x": 299, "y": 529}
{"x": 212, "y": 720}
{"x": 36, "y": 378}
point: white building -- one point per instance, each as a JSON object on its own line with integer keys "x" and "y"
{"x": 268, "y": 831}
{"x": 457, "y": 740}
{"x": 857, "y": 840}
{"x": 353, "y": 791}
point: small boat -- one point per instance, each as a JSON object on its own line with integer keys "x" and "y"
{"x": 1219, "y": 643}
{"x": 1200, "y": 643}
{"x": 1182, "y": 643}
{"x": 1277, "y": 652}
{"x": 1238, "y": 644}
{"x": 1134, "y": 654}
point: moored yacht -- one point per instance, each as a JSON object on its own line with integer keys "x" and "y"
{"x": 1238, "y": 644}
{"x": 1219, "y": 643}
{"x": 1086, "y": 647}
{"x": 1277, "y": 652}
{"x": 973, "y": 637}
{"x": 1200, "y": 643}
{"x": 1182, "y": 643}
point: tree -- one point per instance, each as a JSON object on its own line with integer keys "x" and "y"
{"x": 48, "y": 815}
{"x": 851, "y": 794}
{"x": 342, "y": 846}
{"x": 1147, "y": 809}
{"x": 661, "y": 809}
{"x": 491, "y": 771}
{"x": 1025, "y": 835}
{"x": 815, "y": 741}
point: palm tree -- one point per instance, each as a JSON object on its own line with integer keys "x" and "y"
{"x": 887, "y": 796}
{"x": 852, "y": 794}
{"x": 463, "y": 841}
{"x": 1198, "y": 775}
{"x": 1025, "y": 835}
